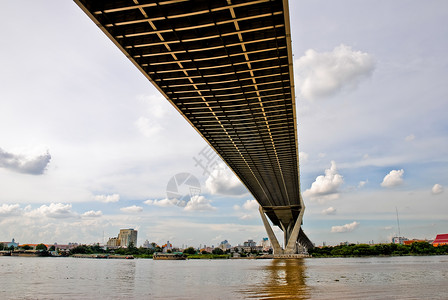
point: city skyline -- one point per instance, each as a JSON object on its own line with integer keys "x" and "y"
{"x": 88, "y": 145}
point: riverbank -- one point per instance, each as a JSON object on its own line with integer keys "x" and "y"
{"x": 360, "y": 250}
{"x": 102, "y": 256}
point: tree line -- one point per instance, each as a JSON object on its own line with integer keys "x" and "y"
{"x": 416, "y": 248}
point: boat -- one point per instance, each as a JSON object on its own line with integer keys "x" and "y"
{"x": 168, "y": 256}
{"x": 27, "y": 253}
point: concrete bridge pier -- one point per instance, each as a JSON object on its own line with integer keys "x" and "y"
{"x": 295, "y": 239}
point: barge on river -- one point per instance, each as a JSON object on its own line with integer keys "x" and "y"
{"x": 168, "y": 256}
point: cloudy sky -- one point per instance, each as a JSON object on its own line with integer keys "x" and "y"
{"x": 88, "y": 146}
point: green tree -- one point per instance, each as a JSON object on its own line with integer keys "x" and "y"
{"x": 97, "y": 249}
{"x": 81, "y": 249}
{"x": 441, "y": 249}
{"x": 383, "y": 249}
{"x": 363, "y": 250}
{"x": 422, "y": 248}
{"x": 189, "y": 250}
{"x": 217, "y": 251}
{"x": 131, "y": 250}
{"x": 26, "y": 247}
{"x": 41, "y": 247}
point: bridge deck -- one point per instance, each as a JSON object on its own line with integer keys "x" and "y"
{"x": 226, "y": 65}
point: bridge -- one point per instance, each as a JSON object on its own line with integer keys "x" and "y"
{"x": 226, "y": 66}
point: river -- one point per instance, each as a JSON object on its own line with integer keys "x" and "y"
{"x": 411, "y": 277}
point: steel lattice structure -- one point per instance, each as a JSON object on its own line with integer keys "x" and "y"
{"x": 226, "y": 65}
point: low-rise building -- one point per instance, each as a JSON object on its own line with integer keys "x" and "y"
{"x": 9, "y": 244}
{"x": 399, "y": 240}
{"x": 206, "y": 249}
{"x": 249, "y": 243}
{"x": 441, "y": 239}
{"x": 265, "y": 244}
{"x": 33, "y": 246}
{"x": 113, "y": 243}
{"x": 410, "y": 242}
{"x": 167, "y": 247}
{"x": 149, "y": 245}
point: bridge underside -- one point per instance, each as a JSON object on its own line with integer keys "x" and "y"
{"x": 226, "y": 66}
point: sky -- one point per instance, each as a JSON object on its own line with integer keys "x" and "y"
{"x": 88, "y": 146}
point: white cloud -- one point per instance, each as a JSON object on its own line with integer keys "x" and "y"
{"x": 10, "y": 210}
{"x": 329, "y": 211}
{"x": 147, "y": 127}
{"x": 132, "y": 209}
{"x": 303, "y": 157}
{"x": 108, "y": 198}
{"x": 247, "y": 216}
{"x": 222, "y": 181}
{"x": 251, "y": 205}
{"x": 54, "y": 210}
{"x": 437, "y": 189}
{"x": 345, "y": 228}
{"x": 156, "y": 104}
{"x": 362, "y": 183}
{"x": 199, "y": 203}
{"x": 22, "y": 164}
{"x": 394, "y": 178}
{"x": 92, "y": 214}
{"x": 196, "y": 203}
{"x": 410, "y": 138}
{"x": 165, "y": 202}
{"x": 249, "y": 210}
{"x": 326, "y": 186}
{"x": 320, "y": 75}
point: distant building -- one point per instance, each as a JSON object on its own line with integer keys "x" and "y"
{"x": 247, "y": 247}
{"x": 250, "y": 243}
{"x": 124, "y": 239}
{"x": 265, "y": 244}
{"x": 113, "y": 242}
{"x": 149, "y": 245}
{"x": 33, "y": 246}
{"x": 224, "y": 245}
{"x": 441, "y": 239}
{"x": 127, "y": 236}
{"x": 167, "y": 247}
{"x": 410, "y": 242}
{"x": 399, "y": 240}
{"x": 9, "y": 244}
{"x": 65, "y": 247}
{"x": 206, "y": 249}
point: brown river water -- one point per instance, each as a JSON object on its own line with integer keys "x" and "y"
{"x": 423, "y": 277}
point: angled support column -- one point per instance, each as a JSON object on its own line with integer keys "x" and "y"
{"x": 293, "y": 236}
{"x": 270, "y": 232}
